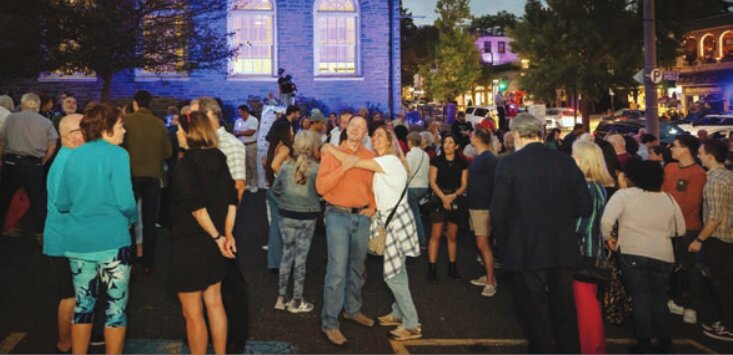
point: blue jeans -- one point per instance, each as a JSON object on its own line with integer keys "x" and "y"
{"x": 297, "y": 235}
{"x": 403, "y": 307}
{"x": 413, "y": 197}
{"x": 347, "y": 235}
{"x": 647, "y": 280}
{"x": 274, "y": 240}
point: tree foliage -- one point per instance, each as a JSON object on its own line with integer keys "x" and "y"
{"x": 458, "y": 62}
{"x": 586, "y": 47}
{"x": 496, "y": 25}
{"x": 110, "y": 36}
{"x": 418, "y": 46}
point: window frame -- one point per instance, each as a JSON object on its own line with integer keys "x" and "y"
{"x": 358, "y": 73}
{"x": 232, "y": 42}
{"x": 501, "y": 47}
{"x": 487, "y": 47}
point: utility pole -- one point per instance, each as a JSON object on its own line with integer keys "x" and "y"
{"x": 650, "y": 62}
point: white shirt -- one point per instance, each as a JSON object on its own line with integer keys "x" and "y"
{"x": 388, "y": 185}
{"x": 643, "y": 231}
{"x": 240, "y": 125}
{"x": 3, "y": 115}
{"x": 235, "y": 153}
{"x": 335, "y": 135}
{"x": 421, "y": 171}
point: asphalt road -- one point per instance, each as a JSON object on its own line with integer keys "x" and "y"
{"x": 455, "y": 318}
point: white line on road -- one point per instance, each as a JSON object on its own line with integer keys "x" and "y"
{"x": 9, "y": 343}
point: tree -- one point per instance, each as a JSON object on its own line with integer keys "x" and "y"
{"x": 111, "y": 36}
{"x": 586, "y": 47}
{"x": 458, "y": 62}
{"x": 20, "y": 41}
{"x": 496, "y": 25}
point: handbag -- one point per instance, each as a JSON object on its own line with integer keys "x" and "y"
{"x": 679, "y": 283}
{"x": 378, "y": 241}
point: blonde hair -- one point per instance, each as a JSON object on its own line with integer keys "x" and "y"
{"x": 394, "y": 148}
{"x": 589, "y": 158}
{"x": 302, "y": 154}
{"x": 198, "y": 130}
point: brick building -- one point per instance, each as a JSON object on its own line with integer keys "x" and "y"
{"x": 342, "y": 53}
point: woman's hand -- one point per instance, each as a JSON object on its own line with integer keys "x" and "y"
{"x": 612, "y": 244}
{"x": 223, "y": 243}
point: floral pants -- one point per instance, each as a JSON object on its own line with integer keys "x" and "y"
{"x": 115, "y": 274}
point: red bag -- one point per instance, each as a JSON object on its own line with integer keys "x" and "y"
{"x": 19, "y": 205}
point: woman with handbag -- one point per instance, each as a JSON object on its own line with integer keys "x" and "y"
{"x": 593, "y": 269}
{"x": 448, "y": 181}
{"x": 647, "y": 219}
{"x": 395, "y": 225}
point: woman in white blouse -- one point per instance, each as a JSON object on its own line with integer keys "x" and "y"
{"x": 390, "y": 179}
{"x": 647, "y": 219}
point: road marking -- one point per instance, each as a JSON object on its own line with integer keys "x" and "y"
{"x": 400, "y": 347}
{"x": 9, "y": 343}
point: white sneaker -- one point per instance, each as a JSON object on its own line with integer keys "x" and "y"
{"x": 265, "y": 247}
{"x": 481, "y": 281}
{"x": 280, "y": 303}
{"x": 689, "y": 316}
{"x": 674, "y": 308}
{"x": 303, "y": 307}
{"x": 489, "y": 291}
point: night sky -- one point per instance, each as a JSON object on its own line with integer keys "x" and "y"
{"x": 478, "y": 7}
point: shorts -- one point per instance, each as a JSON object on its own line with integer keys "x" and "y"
{"x": 480, "y": 222}
{"x": 61, "y": 272}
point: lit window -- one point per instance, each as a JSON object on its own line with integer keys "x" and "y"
{"x": 336, "y": 33}
{"x": 252, "y": 22}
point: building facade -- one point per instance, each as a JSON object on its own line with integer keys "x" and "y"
{"x": 706, "y": 65}
{"x": 341, "y": 53}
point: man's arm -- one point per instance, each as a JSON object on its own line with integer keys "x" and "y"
{"x": 50, "y": 149}
{"x": 718, "y": 207}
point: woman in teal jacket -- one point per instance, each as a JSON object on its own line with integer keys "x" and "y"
{"x": 96, "y": 192}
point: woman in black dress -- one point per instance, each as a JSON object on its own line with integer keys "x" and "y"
{"x": 448, "y": 180}
{"x": 203, "y": 210}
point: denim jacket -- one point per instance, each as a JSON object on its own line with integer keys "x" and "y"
{"x": 293, "y": 197}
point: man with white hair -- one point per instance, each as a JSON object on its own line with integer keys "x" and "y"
{"x": 539, "y": 196}
{"x": 27, "y": 141}
{"x": 53, "y": 234}
{"x": 6, "y": 108}
{"x": 619, "y": 146}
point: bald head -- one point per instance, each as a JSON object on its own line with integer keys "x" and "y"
{"x": 70, "y": 132}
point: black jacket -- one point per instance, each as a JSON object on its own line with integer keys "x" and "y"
{"x": 538, "y": 195}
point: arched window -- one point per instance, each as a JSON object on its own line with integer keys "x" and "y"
{"x": 336, "y": 38}
{"x": 726, "y": 46}
{"x": 253, "y": 25}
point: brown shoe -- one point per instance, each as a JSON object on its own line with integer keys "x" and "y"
{"x": 335, "y": 336}
{"x": 389, "y": 320}
{"x": 360, "y": 318}
{"x": 406, "y": 334}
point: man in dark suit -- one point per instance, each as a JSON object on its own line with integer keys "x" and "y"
{"x": 539, "y": 194}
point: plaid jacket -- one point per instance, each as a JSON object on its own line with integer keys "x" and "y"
{"x": 401, "y": 238}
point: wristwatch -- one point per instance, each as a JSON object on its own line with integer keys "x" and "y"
{"x": 699, "y": 240}
{"x": 216, "y": 239}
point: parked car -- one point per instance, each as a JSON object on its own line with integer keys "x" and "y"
{"x": 561, "y": 117}
{"x": 626, "y": 114}
{"x": 715, "y": 125}
{"x": 476, "y": 114}
{"x": 667, "y": 130}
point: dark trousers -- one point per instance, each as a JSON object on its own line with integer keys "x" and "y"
{"x": 148, "y": 189}
{"x": 718, "y": 256}
{"x": 501, "y": 112}
{"x": 544, "y": 299}
{"x": 696, "y": 287}
{"x": 646, "y": 280}
{"x": 28, "y": 174}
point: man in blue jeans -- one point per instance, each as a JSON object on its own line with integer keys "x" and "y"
{"x": 350, "y": 206}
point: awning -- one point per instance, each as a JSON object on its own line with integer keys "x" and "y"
{"x": 707, "y": 78}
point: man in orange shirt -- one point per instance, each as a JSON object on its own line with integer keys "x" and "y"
{"x": 685, "y": 181}
{"x": 350, "y": 207}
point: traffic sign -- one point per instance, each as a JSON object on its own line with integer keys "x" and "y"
{"x": 671, "y": 75}
{"x": 655, "y": 75}
{"x": 639, "y": 76}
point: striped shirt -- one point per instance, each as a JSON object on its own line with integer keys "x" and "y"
{"x": 718, "y": 202}
{"x": 235, "y": 153}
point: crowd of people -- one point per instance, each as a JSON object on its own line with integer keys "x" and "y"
{"x": 564, "y": 215}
